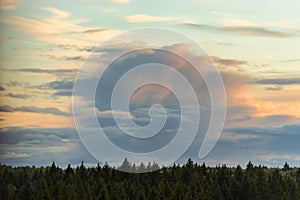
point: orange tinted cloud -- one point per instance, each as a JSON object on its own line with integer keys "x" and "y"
{"x": 8, "y": 4}
{"x": 35, "y": 120}
{"x": 60, "y": 23}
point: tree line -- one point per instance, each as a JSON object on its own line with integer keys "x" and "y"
{"x": 189, "y": 181}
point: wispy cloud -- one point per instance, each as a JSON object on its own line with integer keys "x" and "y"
{"x": 274, "y": 88}
{"x": 33, "y": 109}
{"x": 18, "y": 96}
{"x": 228, "y": 62}
{"x": 139, "y": 18}
{"x": 246, "y": 30}
{"x": 278, "y": 81}
{"x": 54, "y": 72}
{"x": 291, "y": 60}
{"x": 63, "y": 93}
{"x": 8, "y": 4}
{"x": 66, "y": 58}
{"x": 61, "y": 23}
{"x": 58, "y": 85}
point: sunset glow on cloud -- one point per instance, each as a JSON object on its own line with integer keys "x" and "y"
{"x": 43, "y": 44}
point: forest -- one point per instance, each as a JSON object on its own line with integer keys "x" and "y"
{"x": 188, "y": 181}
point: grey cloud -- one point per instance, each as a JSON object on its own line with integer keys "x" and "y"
{"x": 225, "y": 44}
{"x": 274, "y": 88}
{"x": 287, "y": 130}
{"x": 66, "y": 58}
{"x": 87, "y": 31}
{"x": 59, "y": 85}
{"x": 242, "y": 119}
{"x": 6, "y": 108}
{"x": 243, "y": 30}
{"x": 63, "y": 93}
{"x": 33, "y": 109}
{"x": 95, "y": 30}
{"x": 73, "y": 58}
{"x": 278, "y": 81}
{"x": 239, "y": 145}
{"x": 46, "y": 71}
{"x": 292, "y": 60}
{"x": 42, "y": 146}
{"x": 18, "y": 96}
{"x": 17, "y": 84}
{"x": 79, "y": 48}
{"x": 2, "y": 88}
{"x": 228, "y": 62}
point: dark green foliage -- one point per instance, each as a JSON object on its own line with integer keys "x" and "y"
{"x": 190, "y": 181}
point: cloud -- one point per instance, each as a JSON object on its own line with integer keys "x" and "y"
{"x": 63, "y": 93}
{"x": 278, "y": 81}
{"x": 58, "y": 85}
{"x": 113, "y": 113}
{"x": 291, "y": 60}
{"x": 287, "y": 130}
{"x": 60, "y": 28}
{"x": 139, "y": 18}
{"x": 228, "y": 62}
{"x": 94, "y": 30}
{"x": 247, "y": 30}
{"x": 2, "y": 88}
{"x": 86, "y": 31}
{"x": 275, "y": 158}
{"x": 76, "y": 47}
{"x": 8, "y": 4}
{"x": 274, "y": 88}
{"x": 14, "y": 155}
{"x": 34, "y": 109}
{"x": 18, "y": 96}
{"x": 17, "y": 84}
{"x": 45, "y": 71}
{"x": 42, "y": 146}
{"x": 66, "y": 58}
{"x": 6, "y": 108}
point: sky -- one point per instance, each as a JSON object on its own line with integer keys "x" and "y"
{"x": 254, "y": 45}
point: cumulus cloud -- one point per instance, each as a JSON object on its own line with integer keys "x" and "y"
{"x": 34, "y": 109}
